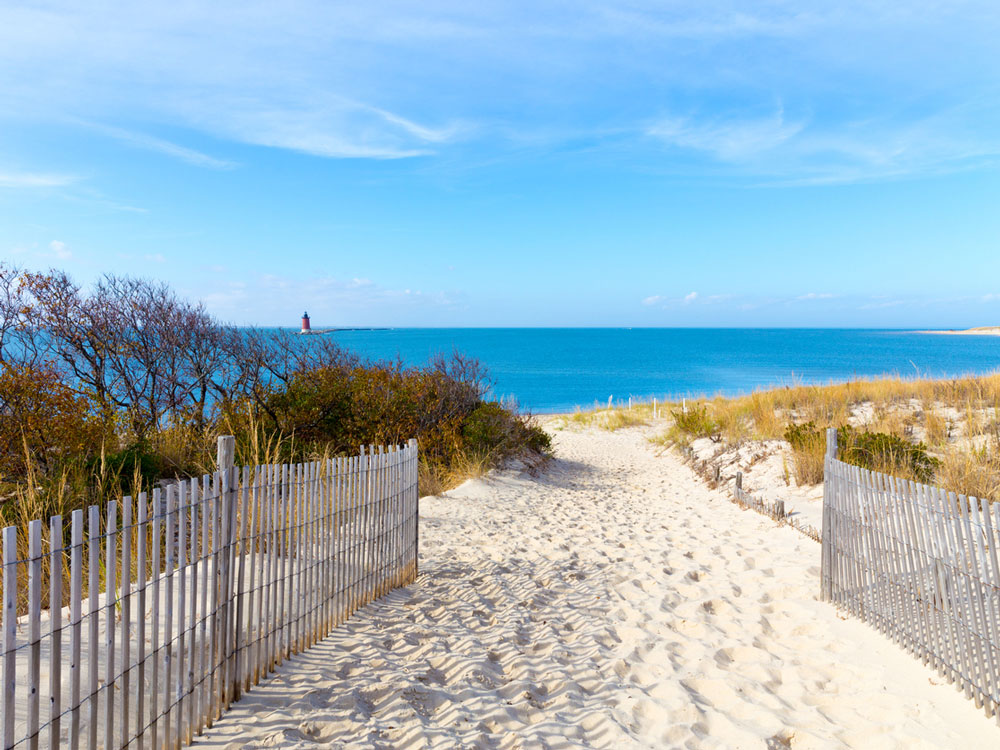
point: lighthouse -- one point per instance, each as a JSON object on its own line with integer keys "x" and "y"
{"x": 305, "y": 323}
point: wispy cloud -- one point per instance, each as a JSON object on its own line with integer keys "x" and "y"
{"x": 328, "y": 126}
{"x": 730, "y": 139}
{"x": 34, "y": 180}
{"x": 159, "y": 145}
{"x": 331, "y": 301}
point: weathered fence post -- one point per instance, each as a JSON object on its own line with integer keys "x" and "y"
{"x": 739, "y": 484}
{"x": 416, "y": 506}
{"x": 225, "y": 604}
{"x": 226, "y": 452}
{"x": 826, "y": 538}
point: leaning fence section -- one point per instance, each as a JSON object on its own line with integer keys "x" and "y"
{"x": 921, "y": 565}
{"x": 176, "y": 602}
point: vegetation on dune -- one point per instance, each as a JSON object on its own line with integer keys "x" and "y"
{"x": 944, "y": 432}
{"x": 105, "y": 393}
{"x": 611, "y": 419}
{"x": 877, "y": 451}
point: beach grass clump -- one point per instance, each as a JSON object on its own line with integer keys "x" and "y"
{"x": 975, "y": 473}
{"x": 622, "y": 418}
{"x": 695, "y": 422}
{"x": 808, "y": 445}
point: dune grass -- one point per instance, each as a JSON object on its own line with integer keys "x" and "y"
{"x": 617, "y": 417}
{"x": 955, "y": 421}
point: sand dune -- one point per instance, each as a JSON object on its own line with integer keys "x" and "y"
{"x": 612, "y": 601}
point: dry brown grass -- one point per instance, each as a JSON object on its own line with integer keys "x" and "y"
{"x": 974, "y": 472}
{"x": 433, "y": 478}
{"x": 808, "y": 460}
{"x": 937, "y": 428}
{"x": 641, "y": 414}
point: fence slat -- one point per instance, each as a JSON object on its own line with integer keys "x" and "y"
{"x": 34, "y": 629}
{"x": 126, "y": 617}
{"x": 182, "y": 545}
{"x": 93, "y": 600}
{"x": 9, "y": 632}
{"x": 142, "y": 574}
{"x": 110, "y": 600}
{"x": 194, "y": 557}
{"x": 168, "y": 615}
{"x": 203, "y": 646}
{"x": 76, "y": 624}
{"x": 55, "y": 629}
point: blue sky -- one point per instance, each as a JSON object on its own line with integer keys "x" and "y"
{"x": 570, "y": 163}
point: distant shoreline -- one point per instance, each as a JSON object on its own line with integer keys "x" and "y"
{"x": 326, "y": 331}
{"x": 980, "y": 331}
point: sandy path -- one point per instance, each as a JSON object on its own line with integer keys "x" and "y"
{"x": 613, "y": 601}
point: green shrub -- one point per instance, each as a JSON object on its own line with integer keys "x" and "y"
{"x": 489, "y": 428}
{"x": 695, "y": 422}
{"x": 889, "y": 454}
{"x": 137, "y": 460}
{"x": 876, "y": 451}
{"x": 493, "y": 430}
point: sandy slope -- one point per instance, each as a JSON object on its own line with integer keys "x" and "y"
{"x": 613, "y": 601}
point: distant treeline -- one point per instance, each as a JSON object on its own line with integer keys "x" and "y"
{"x": 112, "y": 388}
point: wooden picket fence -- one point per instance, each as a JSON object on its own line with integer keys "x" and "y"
{"x": 181, "y": 601}
{"x": 921, "y": 565}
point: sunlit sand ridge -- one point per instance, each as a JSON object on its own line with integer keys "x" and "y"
{"x": 610, "y": 601}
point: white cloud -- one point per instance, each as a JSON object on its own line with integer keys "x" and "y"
{"x": 813, "y": 295}
{"x": 34, "y": 180}
{"x": 155, "y": 258}
{"x": 320, "y": 126}
{"x": 654, "y": 299}
{"x": 728, "y": 140}
{"x": 689, "y": 298}
{"x": 151, "y": 143}
{"x": 60, "y": 250}
{"x": 882, "y": 305}
{"x": 331, "y": 301}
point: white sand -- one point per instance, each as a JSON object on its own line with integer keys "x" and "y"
{"x": 981, "y": 331}
{"x": 613, "y": 601}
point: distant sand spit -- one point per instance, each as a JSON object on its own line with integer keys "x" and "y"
{"x": 982, "y": 331}
{"x": 613, "y": 601}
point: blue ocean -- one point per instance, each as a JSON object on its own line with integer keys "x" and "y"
{"x": 559, "y": 369}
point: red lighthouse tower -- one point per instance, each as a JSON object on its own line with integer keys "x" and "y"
{"x": 305, "y": 322}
